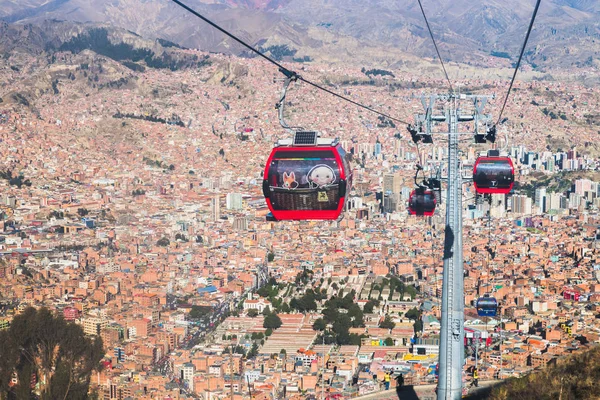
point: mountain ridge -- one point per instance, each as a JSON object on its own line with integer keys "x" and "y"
{"x": 567, "y": 32}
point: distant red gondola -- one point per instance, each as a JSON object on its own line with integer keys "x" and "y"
{"x": 421, "y": 202}
{"x": 307, "y": 178}
{"x": 493, "y": 175}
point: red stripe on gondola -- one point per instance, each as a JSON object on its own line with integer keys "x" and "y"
{"x": 314, "y": 154}
{"x": 424, "y": 205}
{"x": 493, "y": 175}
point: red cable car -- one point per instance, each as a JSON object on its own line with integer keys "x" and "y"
{"x": 307, "y": 178}
{"x": 493, "y": 175}
{"x": 421, "y": 202}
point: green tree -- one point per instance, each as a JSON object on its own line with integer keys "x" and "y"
{"x": 413, "y": 313}
{"x": 58, "y": 352}
{"x": 82, "y": 212}
{"x": 303, "y": 277}
{"x": 164, "y": 242}
{"x": 294, "y": 304}
{"x": 418, "y": 326}
{"x": 341, "y": 327}
{"x": 198, "y": 312}
{"x": 369, "y": 305}
{"x": 355, "y": 340}
{"x": 272, "y": 321}
{"x": 268, "y": 333}
{"x": 330, "y": 314}
{"x": 253, "y": 351}
{"x": 252, "y": 312}
{"x": 387, "y": 323}
{"x": 356, "y": 315}
{"x": 321, "y": 295}
{"x": 266, "y": 311}
{"x": 8, "y": 358}
{"x": 389, "y": 341}
{"x": 348, "y": 300}
{"x": 412, "y": 291}
{"x": 181, "y": 236}
{"x": 319, "y": 324}
{"x": 276, "y": 303}
{"x": 285, "y": 308}
{"x": 305, "y": 303}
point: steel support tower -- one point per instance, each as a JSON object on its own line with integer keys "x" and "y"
{"x": 451, "y": 359}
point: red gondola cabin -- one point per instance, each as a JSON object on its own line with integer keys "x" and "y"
{"x": 493, "y": 175}
{"x": 307, "y": 178}
{"x": 421, "y": 202}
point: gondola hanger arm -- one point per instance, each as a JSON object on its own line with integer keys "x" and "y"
{"x": 290, "y": 76}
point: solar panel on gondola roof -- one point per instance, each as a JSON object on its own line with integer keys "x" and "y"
{"x": 305, "y": 138}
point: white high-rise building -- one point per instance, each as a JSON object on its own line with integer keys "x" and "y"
{"x": 575, "y": 200}
{"x": 582, "y": 186}
{"x": 234, "y": 201}
{"x": 498, "y": 206}
{"x": 540, "y": 200}
{"x": 187, "y": 375}
{"x": 521, "y": 205}
{"x": 553, "y": 201}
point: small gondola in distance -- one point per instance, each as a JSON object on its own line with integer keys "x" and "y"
{"x": 307, "y": 182}
{"x": 493, "y": 175}
{"x": 421, "y": 202}
{"x": 487, "y": 306}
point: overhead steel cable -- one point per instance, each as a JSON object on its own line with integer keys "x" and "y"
{"x": 436, "y": 47}
{"x": 512, "y": 81}
{"x": 284, "y": 70}
{"x": 182, "y": 5}
{"x": 352, "y": 101}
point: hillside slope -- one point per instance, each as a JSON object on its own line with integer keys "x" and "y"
{"x": 567, "y": 32}
{"x": 575, "y": 378}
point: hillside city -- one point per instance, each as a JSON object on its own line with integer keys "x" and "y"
{"x": 131, "y": 204}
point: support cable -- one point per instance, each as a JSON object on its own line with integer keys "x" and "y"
{"x": 283, "y": 69}
{"x": 419, "y": 155}
{"x": 512, "y": 81}
{"x": 436, "y": 47}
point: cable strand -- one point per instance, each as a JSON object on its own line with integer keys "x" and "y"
{"x": 436, "y": 47}
{"x": 182, "y": 5}
{"x": 351, "y": 101}
{"x": 283, "y": 69}
{"x": 512, "y": 81}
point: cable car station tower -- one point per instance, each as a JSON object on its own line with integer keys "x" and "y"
{"x": 451, "y": 358}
